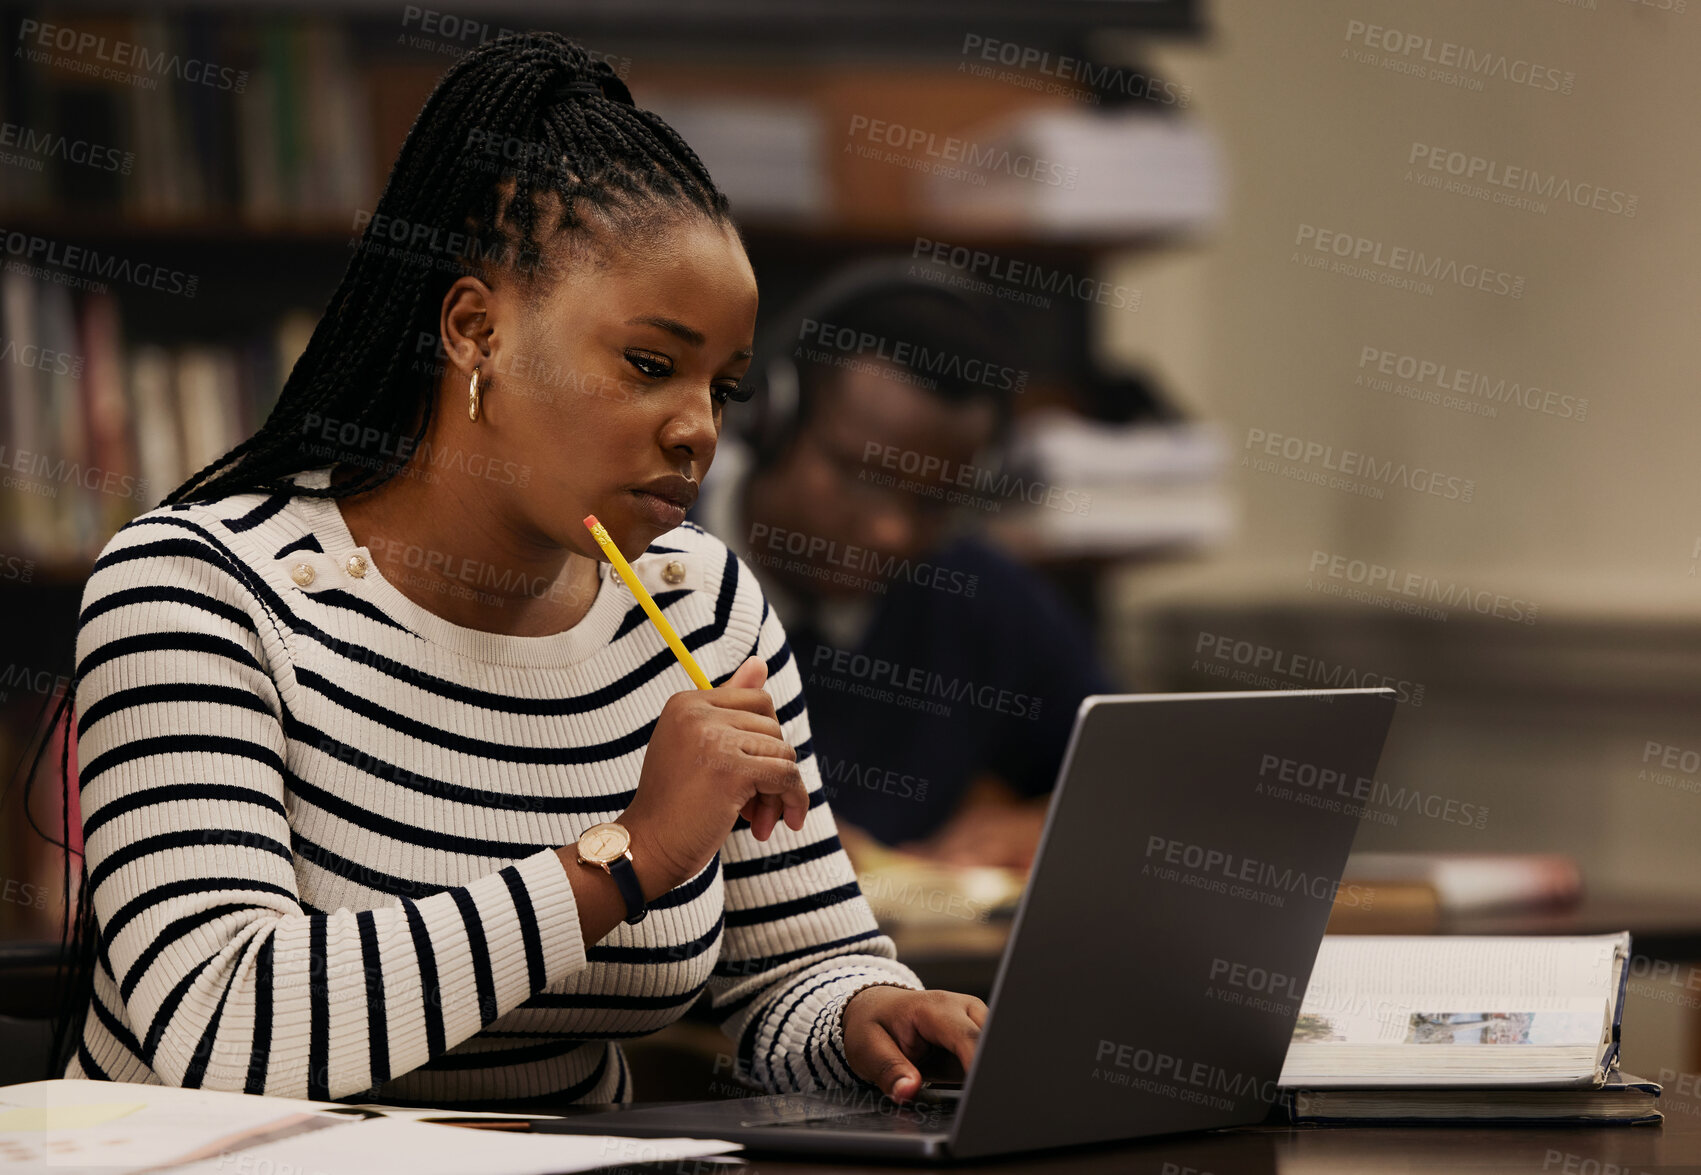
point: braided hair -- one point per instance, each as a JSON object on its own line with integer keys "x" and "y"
{"x": 525, "y": 133}
{"x": 522, "y": 126}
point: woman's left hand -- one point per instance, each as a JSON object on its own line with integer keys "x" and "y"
{"x": 889, "y": 1031}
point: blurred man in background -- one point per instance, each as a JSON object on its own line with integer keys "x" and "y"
{"x": 942, "y": 676}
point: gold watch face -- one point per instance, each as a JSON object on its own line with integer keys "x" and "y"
{"x": 602, "y": 843}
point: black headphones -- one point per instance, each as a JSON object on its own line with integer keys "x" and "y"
{"x": 768, "y": 421}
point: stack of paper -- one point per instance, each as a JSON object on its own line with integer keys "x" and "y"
{"x": 72, "y": 1126}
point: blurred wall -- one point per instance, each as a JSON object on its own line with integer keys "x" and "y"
{"x": 1600, "y": 512}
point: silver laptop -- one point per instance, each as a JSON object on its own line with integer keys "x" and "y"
{"x": 1190, "y": 858}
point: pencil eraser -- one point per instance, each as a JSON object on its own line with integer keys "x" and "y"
{"x": 591, "y": 521}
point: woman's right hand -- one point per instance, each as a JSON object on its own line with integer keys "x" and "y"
{"x": 714, "y": 755}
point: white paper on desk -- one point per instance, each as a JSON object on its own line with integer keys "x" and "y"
{"x": 76, "y": 1125}
{"x": 419, "y": 1148}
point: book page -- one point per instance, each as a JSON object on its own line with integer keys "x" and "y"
{"x": 1379, "y": 977}
{"x": 1557, "y": 1022}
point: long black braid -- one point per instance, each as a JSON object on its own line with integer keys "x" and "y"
{"x": 519, "y": 128}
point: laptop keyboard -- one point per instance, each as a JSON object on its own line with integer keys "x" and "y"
{"x": 933, "y": 1121}
{"x": 836, "y": 1113}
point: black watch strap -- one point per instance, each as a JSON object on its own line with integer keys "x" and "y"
{"x": 626, "y": 878}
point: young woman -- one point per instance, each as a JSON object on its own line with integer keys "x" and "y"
{"x": 365, "y": 723}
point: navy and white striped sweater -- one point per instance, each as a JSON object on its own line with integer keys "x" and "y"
{"x": 321, "y": 825}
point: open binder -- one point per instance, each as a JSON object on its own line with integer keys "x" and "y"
{"x": 1459, "y": 1028}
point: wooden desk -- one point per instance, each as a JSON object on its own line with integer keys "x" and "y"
{"x": 1412, "y": 1150}
{"x": 964, "y": 957}
{"x": 1661, "y": 926}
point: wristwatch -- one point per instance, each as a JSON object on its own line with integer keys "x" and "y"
{"x": 610, "y": 846}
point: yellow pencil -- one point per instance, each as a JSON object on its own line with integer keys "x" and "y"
{"x": 643, "y": 597}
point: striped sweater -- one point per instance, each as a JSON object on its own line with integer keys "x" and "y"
{"x": 321, "y": 822}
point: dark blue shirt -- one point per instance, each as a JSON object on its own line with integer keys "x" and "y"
{"x": 976, "y": 666}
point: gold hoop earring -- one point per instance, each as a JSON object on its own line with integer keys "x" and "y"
{"x": 473, "y": 397}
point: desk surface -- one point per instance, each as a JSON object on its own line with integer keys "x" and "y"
{"x": 964, "y": 956}
{"x": 1663, "y": 926}
{"x": 1574, "y": 1150}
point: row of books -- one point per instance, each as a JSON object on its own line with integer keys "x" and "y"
{"x": 286, "y": 119}
{"x": 153, "y": 117}
{"x": 1114, "y": 174}
{"x": 98, "y": 429}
